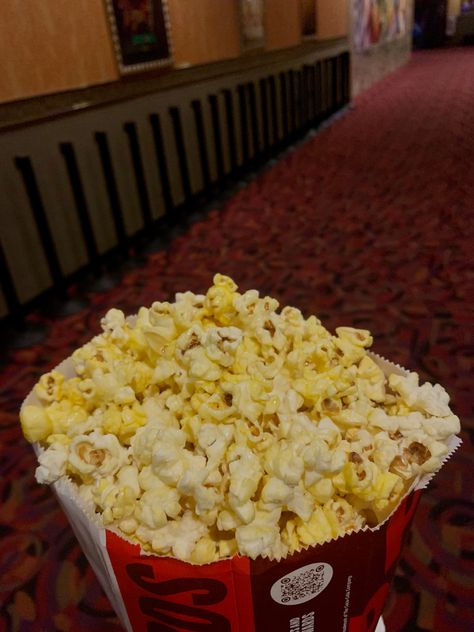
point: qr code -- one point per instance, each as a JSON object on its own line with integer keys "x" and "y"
{"x": 307, "y": 583}
{"x": 302, "y": 584}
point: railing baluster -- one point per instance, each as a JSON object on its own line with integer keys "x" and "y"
{"x": 216, "y": 129}
{"x": 273, "y": 109}
{"x": 322, "y": 103}
{"x": 15, "y": 332}
{"x": 284, "y": 105}
{"x": 330, "y": 85}
{"x": 318, "y": 86}
{"x": 181, "y": 152}
{"x": 325, "y": 78}
{"x": 244, "y": 137}
{"x": 308, "y": 75}
{"x": 264, "y": 115}
{"x": 300, "y": 100}
{"x": 42, "y": 224}
{"x": 305, "y": 95}
{"x": 201, "y": 137}
{"x": 340, "y": 84}
{"x": 134, "y": 144}
{"x": 80, "y": 202}
{"x": 229, "y": 110}
{"x": 335, "y": 83}
{"x": 254, "y": 119}
{"x": 112, "y": 191}
{"x": 312, "y": 92}
{"x": 162, "y": 164}
{"x": 8, "y": 288}
{"x": 347, "y": 77}
{"x": 292, "y": 91}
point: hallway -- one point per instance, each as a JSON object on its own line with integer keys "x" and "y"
{"x": 370, "y": 224}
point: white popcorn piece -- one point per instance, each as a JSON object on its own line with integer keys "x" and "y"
{"x": 127, "y": 476}
{"x": 245, "y": 473}
{"x": 429, "y": 398}
{"x": 301, "y": 503}
{"x": 227, "y": 520}
{"x": 188, "y": 309}
{"x": 358, "y": 337}
{"x": 161, "y": 328}
{"x": 441, "y": 427}
{"x": 276, "y": 492}
{"x": 113, "y": 324}
{"x": 116, "y": 501}
{"x": 245, "y": 512}
{"x": 52, "y": 463}
{"x": 156, "y": 437}
{"x": 178, "y": 536}
{"x": 149, "y": 510}
{"x": 50, "y": 386}
{"x": 320, "y": 458}
{"x": 221, "y": 343}
{"x": 257, "y": 539}
{"x": 288, "y": 466}
{"x": 214, "y": 441}
{"x": 96, "y": 455}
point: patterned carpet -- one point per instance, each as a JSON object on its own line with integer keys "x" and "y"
{"x": 368, "y": 224}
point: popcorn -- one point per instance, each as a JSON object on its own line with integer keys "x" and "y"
{"x": 96, "y": 455}
{"x": 216, "y": 425}
{"x": 35, "y": 424}
{"x": 52, "y": 463}
{"x": 117, "y": 501}
{"x": 179, "y": 537}
{"x": 245, "y": 472}
{"x": 149, "y": 510}
{"x": 428, "y": 398}
{"x": 257, "y": 539}
{"x": 113, "y": 325}
{"x": 49, "y": 387}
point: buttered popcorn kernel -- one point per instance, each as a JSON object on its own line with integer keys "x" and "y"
{"x": 217, "y": 424}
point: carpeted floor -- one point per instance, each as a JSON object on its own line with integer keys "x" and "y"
{"x": 368, "y": 224}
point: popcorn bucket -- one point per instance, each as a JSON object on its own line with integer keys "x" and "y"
{"x": 340, "y": 585}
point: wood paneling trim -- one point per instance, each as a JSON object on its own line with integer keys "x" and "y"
{"x": 47, "y": 107}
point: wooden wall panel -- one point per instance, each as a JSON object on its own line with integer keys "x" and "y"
{"x": 282, "y": 23}
{"x": 332, "y": 18}
{"x": 204, "y": 30}
{"x": 53, "y": 45}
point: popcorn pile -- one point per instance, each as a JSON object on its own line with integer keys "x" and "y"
{"x": 215, "y": 425}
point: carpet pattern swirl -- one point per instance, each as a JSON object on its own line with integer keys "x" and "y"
{"x": 368, "y": 224}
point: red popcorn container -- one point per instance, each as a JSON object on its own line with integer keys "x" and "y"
{"x": 338, "y": 586}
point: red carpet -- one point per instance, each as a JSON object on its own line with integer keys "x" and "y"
{"x": 368, "y": 224}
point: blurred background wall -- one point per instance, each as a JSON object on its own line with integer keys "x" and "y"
{"x": 58, "y": 45}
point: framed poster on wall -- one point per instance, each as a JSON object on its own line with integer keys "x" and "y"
{"x": 251, "y": 19}
{"x": 140, "y": 33}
